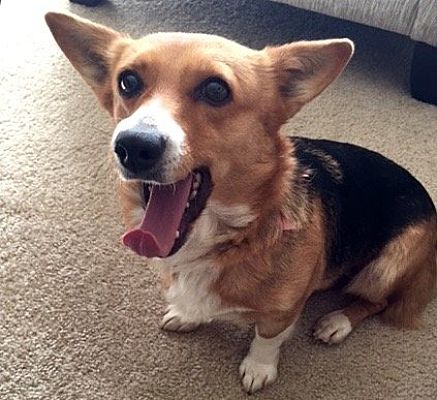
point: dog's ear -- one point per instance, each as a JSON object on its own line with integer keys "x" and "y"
{"x": 304, "y": 69}
{"x": 90, "y": 48}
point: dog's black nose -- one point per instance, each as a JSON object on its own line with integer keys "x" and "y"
{"x": 139, "y": 151}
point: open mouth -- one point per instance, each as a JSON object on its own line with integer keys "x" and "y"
{"x": 169, "y": 213}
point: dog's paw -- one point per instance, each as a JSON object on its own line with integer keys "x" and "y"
{"x": 333, "y": 327}
{"x": 175, "y": 322}
{"x": 255, "y": 375}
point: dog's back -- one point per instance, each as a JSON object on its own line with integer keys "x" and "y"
{"x": 372, "y": 207}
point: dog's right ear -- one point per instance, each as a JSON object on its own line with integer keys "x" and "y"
{"x": 90, "y": 48}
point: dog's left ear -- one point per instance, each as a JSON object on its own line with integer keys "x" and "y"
{"x": 304, "y": 69}
{"x": 90, "y": 48}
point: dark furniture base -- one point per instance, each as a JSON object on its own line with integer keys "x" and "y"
{"x": 89, "y": 3}
{"x": 424, "y": 73}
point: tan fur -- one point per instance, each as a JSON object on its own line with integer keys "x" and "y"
{"x": 249, "y": 279}
{"x": 404, "y": 274}
{"x": 418, "y": 286}
{"x": 361, "y": 309}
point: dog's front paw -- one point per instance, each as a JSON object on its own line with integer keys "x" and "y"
{"x": 175, "y": 322}
{"x": 255, "y": 375}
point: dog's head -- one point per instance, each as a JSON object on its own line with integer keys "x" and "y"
{"x": 198, "y": 111}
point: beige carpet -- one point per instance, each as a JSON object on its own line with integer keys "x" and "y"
{"x": 79, "y": 314}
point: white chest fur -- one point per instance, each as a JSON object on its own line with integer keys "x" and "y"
{"x": 191, "y": 295}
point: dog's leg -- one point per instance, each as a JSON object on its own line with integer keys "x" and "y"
{"x": 335, "y": 326}
{"x": 260, "y": 367}
{"x": 174, "y": 321}
{"x": 401, "y": 281}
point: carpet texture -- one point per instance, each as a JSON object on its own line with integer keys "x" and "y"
{"x": 79, "y": 314}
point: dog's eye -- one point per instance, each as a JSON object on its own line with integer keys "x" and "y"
{"x": 129, "y": 84}
{"x": 214, "y": 91}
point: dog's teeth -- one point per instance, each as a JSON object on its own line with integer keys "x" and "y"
{"x": 177, "y": 234}
{"x": 193, "y": 194}
{"x": 188, "y": 205}
{"x": 196, "y": 185}
{"x": 198, "y": 177}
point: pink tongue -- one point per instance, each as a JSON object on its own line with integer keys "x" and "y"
{"x": 156, "y": 235}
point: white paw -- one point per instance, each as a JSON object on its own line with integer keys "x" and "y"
{"x": 333, "y": 327}
{"x": 255, "y": 375}
{"x": 175, "y": 322}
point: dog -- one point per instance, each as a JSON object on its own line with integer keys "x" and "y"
{"x": 244, "y": 222}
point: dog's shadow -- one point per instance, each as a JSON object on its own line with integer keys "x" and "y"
{"x": 232, "y": 341}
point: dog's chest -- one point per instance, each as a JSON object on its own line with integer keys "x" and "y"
{"x": 192, "y": 295}
{"x": 191, "y": 288}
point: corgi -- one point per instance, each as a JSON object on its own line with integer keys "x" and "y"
{"x": 243, "y": 222}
